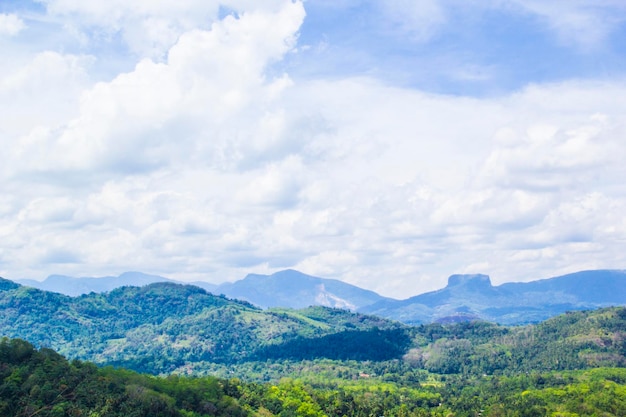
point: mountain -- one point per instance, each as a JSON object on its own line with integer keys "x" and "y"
{"x": 162, "y": 327}
{"x": 293, "y": 289}
{"x": 466, "y": 297}
{"x": 84, "y": 285}
{"x": 470, "y": 297}
{"x": 288, "y": 288}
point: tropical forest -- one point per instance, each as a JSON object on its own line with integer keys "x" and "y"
{"x": 176, "y": 350}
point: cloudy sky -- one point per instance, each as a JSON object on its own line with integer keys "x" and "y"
{"x": 386, "y": 143}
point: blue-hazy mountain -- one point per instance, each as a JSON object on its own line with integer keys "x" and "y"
{"x": 294, "y": 289}
{"x": 468, "y": 297}
{"x": 287, "y": 288}
{"x": 166, "y": 327}
{"x": 74, "y": 286}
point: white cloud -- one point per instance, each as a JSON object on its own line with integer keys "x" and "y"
{"x": 149, "y": 28}
{"x": 10, "y": 24}
{"x": 276, "y": 185}
{"x": 138, "y": 21}
{"x": 385, "y": 188}
{"x": 208, "y": 164}
{"x": 43, "y": 92}
{"x": 432, "y": 186}
{"x": 210, "y": 79}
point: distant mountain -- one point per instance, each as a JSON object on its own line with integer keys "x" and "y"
{"x": 288, "y": 288}
{"x": 208, "y": 286}
{"x": 469, "y": 297}
{"x": 466, "y": 297}
{"x": 164, "y": 327}
{"x": 84, "y": 285}
{"x": 294, "y": 289}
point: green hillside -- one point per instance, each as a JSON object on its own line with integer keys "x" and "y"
{"x": 575, "y": 340}
{"x": 43, "y": 383}
{"x": 169, "y": 328}
{"x": 164, "y": 327}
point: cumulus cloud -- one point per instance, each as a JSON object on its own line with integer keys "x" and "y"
{"x": 10, "y": 24}
{"x": 208, "y": 162}
{"x": 208, "y": 106}
{"x": 386, "y": 188}
{"x": 42, "y": 92}
{"x": 148, "y": 28}
{"x": 185, "y": 108}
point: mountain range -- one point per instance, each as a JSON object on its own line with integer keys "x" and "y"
{"x": 288, "y": 288}
{"x": 166, "y": 327}
{"x": 162, "y": 327}
{"x": 73, "y": 286}
{"x": 466, "y": 297}
{"x": 293, "y": 289}
{"x": 470, "y": 297}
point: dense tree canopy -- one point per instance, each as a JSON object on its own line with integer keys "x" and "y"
{"x": 220, "y": 357}
{"x": 43, "y": 383}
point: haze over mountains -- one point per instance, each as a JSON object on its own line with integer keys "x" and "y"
{"x": 288, "y": 288}
{"x": 466, "y": 297}
{"x": 73, "y": 286}
{"x": 356, "y": 364}
{"x": 162, "y": 327}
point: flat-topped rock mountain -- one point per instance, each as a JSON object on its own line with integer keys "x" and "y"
{"x": 468, "y": 297}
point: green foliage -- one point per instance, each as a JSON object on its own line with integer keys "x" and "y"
{"x": 576, "y": 340}
{"x": 375, "y": 344}
{"x": 162, "y": 328}
{"x": 598, "y": 392}
{"x": 42, "y": 383}
{"x": 167, "y": 328}
{"x": 310, "y": 362}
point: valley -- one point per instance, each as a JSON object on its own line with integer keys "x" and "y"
{"x": 167, "y": 349}
{"x": 466, "y": 297}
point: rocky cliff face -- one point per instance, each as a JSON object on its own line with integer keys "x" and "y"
{"x": 294, "y": 289}
{"x": 475, "y": 282}
{"x": 468, "y": 297}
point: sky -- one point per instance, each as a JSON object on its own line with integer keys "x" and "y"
{"x": 385, "y": 143}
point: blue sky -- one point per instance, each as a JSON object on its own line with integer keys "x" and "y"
{"x": 385, "y": 143}
{"x": 466, "y": 50}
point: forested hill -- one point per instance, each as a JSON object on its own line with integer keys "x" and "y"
{"x": 465, "y": 298}
{"x": 44, "y": 384}
{"x": 575, "y": 340}
{"x": 162, "y": 327}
